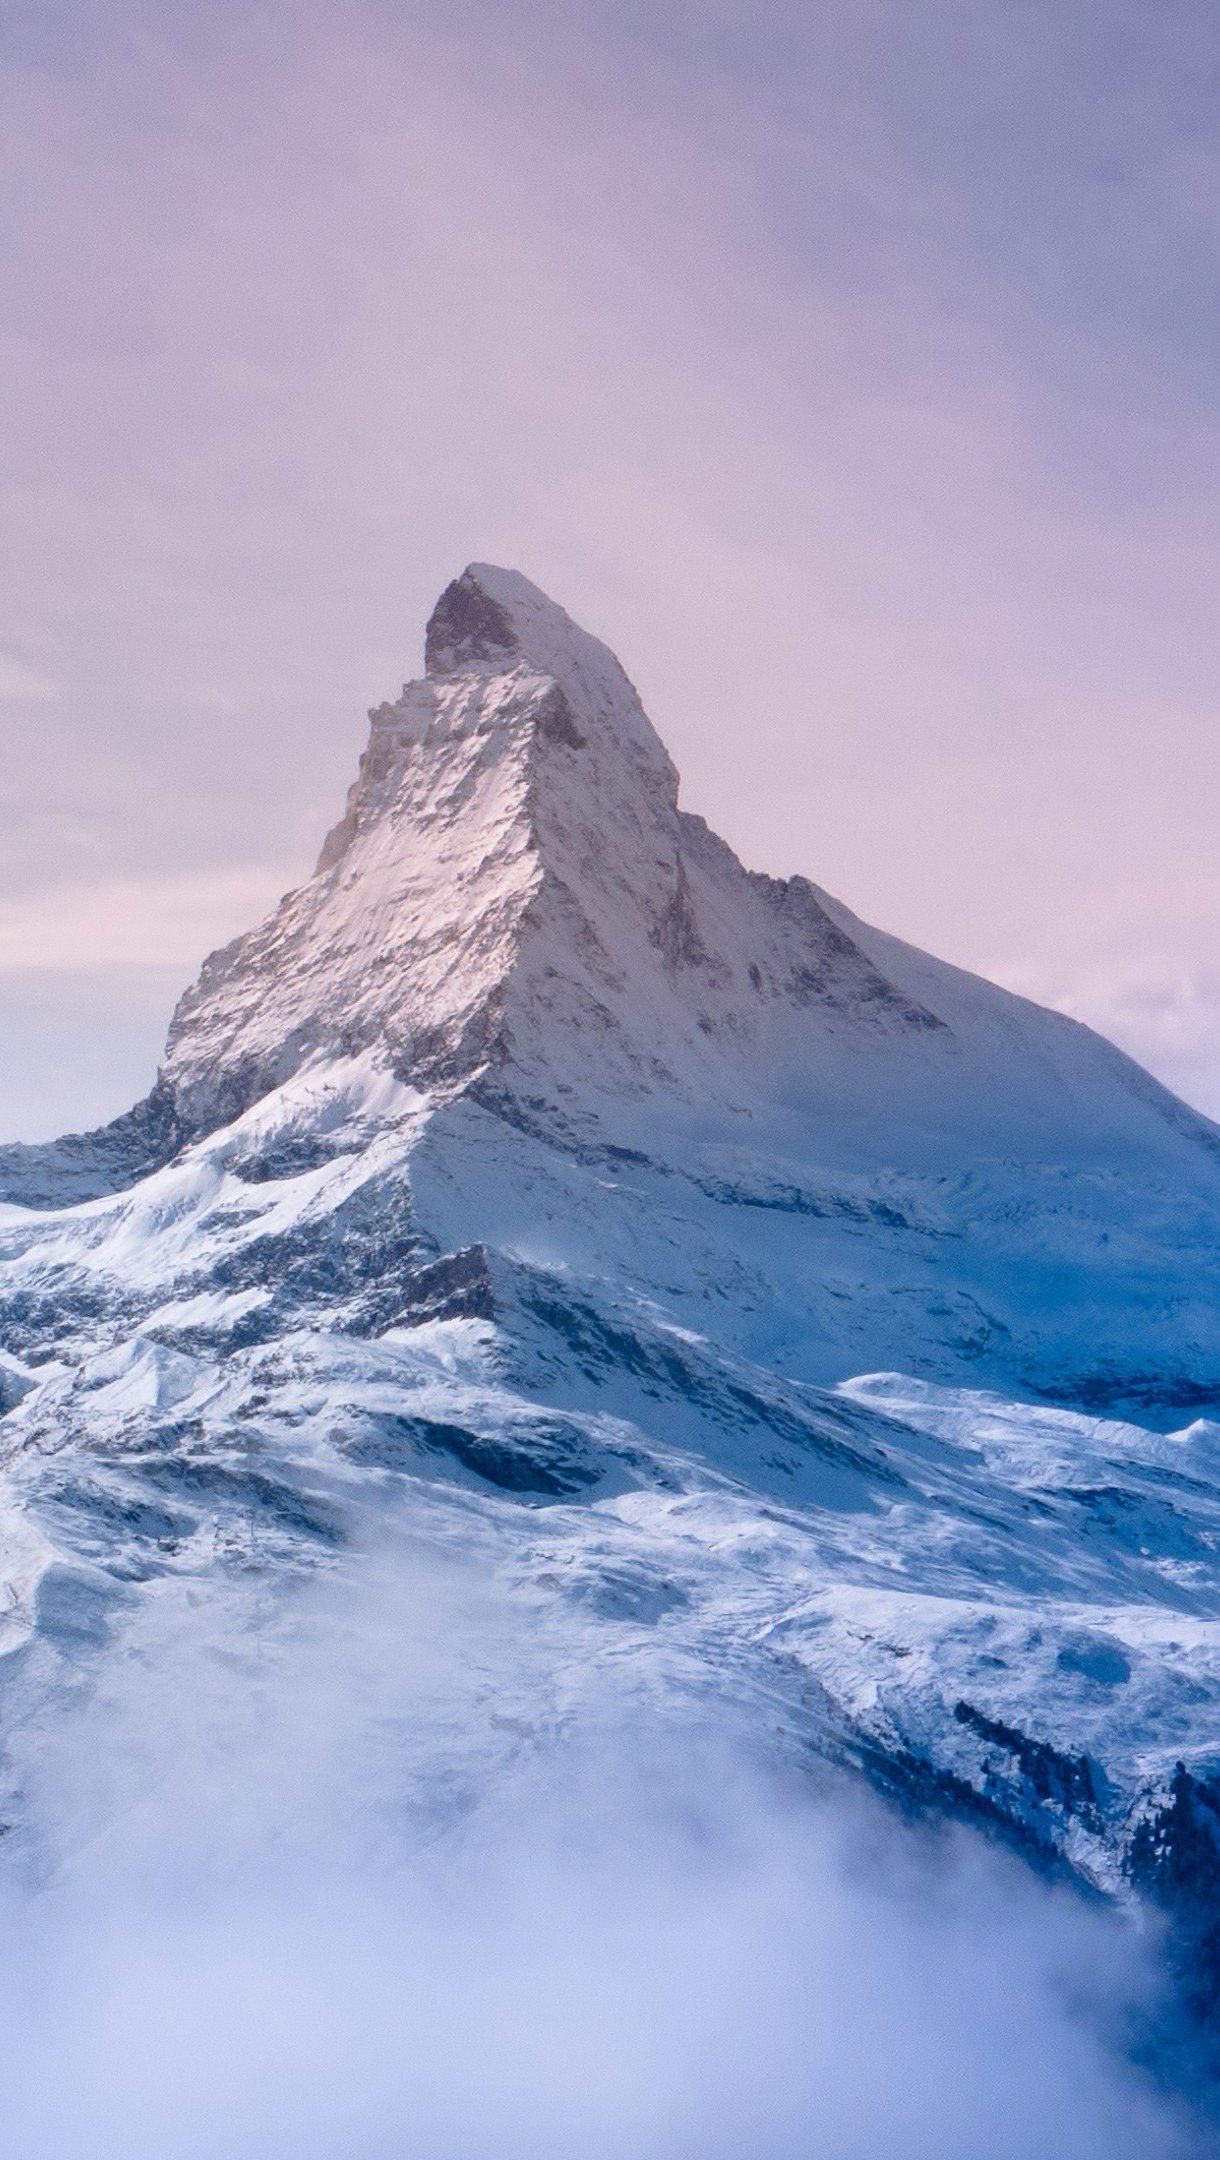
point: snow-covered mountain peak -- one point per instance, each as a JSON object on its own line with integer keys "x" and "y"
{"x": 514, "y": 822}
{"x": 512, "y": 892}
{"x": 491, "y": 621}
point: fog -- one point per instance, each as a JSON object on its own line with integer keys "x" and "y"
{"x": 398, "y": 1864}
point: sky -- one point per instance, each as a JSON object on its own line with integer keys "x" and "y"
{"x": 852, "y": 369}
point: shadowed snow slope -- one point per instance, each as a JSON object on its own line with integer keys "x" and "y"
{"x": 540, "y": 1175}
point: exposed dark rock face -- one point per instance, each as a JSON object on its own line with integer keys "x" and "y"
{"x": 831, "y": 969}
{"x": 468, "y": 628}
{"x": 556, "y": 720}
{"x": 552, "y": 1460}
{"x": 1067, "y": 1781}
{"x": 676, "y": 935}
{"x": 1174, "y": 1858}
{"x": 85, "y": 1166}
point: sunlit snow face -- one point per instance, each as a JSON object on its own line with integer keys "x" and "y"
{"x": 371, "y": 1873}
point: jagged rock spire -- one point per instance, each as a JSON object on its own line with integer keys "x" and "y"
{"x": 513, "y": 896}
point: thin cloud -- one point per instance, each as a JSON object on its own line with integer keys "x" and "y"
{"x": 152, "y": 922}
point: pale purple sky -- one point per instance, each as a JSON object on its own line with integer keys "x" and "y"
{"x": 853, "y": 370}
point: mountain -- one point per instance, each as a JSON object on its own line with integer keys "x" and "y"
{"x": 515, "y": 919}
{"x": 802, "y": 1317}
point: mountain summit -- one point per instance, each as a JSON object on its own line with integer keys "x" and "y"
{"x": 514, "y": 897}
{"x": 811, "y": 1327}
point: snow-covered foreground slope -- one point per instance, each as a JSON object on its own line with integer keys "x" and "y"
{"x": 541, "y": 1183}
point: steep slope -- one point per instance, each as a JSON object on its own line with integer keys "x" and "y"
{"x": 741, "y": 1281}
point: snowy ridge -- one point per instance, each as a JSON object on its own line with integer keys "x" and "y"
{"x": 539, "y": 1170}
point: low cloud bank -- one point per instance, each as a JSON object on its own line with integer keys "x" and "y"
{"x": 404, "y": 1869}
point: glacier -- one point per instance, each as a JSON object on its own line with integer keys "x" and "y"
{"x": 809, "y": 1337}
